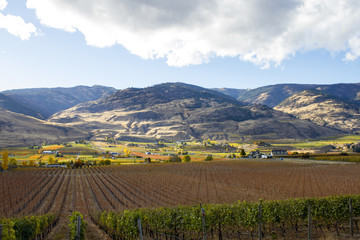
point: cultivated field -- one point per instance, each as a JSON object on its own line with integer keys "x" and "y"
{"x": 93, "y": 189}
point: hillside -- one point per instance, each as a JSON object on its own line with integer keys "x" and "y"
{"x": 322, "y": 109}
{"x": 272, "y": 95}
{"x": 48, "y": 101}
{"x": 232, "y": 92}
{"x": 21, "y": 130}
{"x": 182, "y": 111}
{"x": 14, "y": 106}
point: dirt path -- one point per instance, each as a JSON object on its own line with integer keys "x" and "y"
{"x": 84, "y": 205}
{"x": 61, "y": 230}
{"x": 72, "y": 197}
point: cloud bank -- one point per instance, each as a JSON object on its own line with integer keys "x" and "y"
{"x": 15, "y": 25}
{"x": 193, "y": 31}
{"x": 3, "y": 4}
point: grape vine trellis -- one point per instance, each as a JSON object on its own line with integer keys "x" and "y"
{"x": 284, "y": 218}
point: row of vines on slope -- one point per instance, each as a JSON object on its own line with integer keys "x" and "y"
{"x": 30, "y": 227}
{"x": 285, "y": 218}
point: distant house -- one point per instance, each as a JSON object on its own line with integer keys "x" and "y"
{"x": 55, "y": 166}
{"x": 279, "y": 152}
{"x": 48, "y": 152}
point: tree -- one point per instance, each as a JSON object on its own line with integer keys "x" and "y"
{"x": 186, "y": 158}
{"x": 127, "y": 152}
{"x": 31, "y": 163}
{"x": 174, "y": 159}
{"x": 5, "y": 160}
{"x": 51, "y": 160}
{"x": 13, "y": 162}
{"x": 242, "y": 153}
{"x": 209, "y": 157}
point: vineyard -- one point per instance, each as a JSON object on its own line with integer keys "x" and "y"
{"x": 116, "y": 188}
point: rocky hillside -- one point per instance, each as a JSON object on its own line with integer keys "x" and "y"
{"x": 182, "y": 111}
{"x": 273, "y": 95}
{"x": 20, "y": 130}
{"x": 322, "y": 109}
{"x": 47, "y": 101}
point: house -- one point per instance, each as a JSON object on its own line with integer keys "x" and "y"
{"x": 48, "y": 152}
{"x": 278, "y": 152}
{"x": 55, "y": 166}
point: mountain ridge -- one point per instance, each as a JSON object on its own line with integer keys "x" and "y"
{"x": 48, "y": 101}
{"x": 322, "y": 109}
{"x": 182, "y": 111}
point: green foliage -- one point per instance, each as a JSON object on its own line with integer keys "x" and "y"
{"x": 242, "y": 153}
{"x": 186, "y": 158}
{"x": 25, "y": 228}
{"x": 73, "y": 225}
{"x": 185, "y": 221}
{"x": 209, "y": 158}
{"x": 106, "y": 162}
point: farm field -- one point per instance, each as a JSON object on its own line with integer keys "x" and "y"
{"x": 116, "y": 188}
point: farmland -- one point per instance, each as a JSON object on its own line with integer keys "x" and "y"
{"x": 116, "y": 188}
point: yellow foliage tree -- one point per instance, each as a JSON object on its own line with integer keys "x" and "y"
{"x": 5, "y": 160}
{"x": 31, "y": 163}
{"x": 24, "y": 163}
{"x": 127, "y": 152}
{"x": 51, "y": 160}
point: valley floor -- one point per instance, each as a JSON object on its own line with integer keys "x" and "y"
{"x": 115, "y": 188}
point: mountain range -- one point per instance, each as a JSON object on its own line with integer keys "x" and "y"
{"x": 44, "y": 102}
{"x": 180, "y": 111}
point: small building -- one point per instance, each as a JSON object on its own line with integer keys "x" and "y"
{"x": 279, "y": 152}
{"x": 55, "y": 166}
{"x": 48, "y": 152}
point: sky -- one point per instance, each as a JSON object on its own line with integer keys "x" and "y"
{"x": 210, "y": 43}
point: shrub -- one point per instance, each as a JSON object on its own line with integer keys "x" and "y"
{"x": 174, "y": 159}
{"x": 186, "y": 158}
{"x": 209, "y": 157}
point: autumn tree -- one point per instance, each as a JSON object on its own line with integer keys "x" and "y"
{"x": 31, "y": 163}
{"x": 51, "y": 160}
{"x": 127, "y": 152}
{"x": 5, "y": 160}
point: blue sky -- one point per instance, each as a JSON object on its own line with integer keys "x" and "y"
{"x": 65, "y": 46}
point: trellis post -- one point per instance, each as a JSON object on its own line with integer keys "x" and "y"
{"x": 78, "y": 227}
{"x": 351, "y": 219}
{"x": 309, "y": 222}
{"x": 260, "y": 222}
{"x": 203, "y": 223}
{"x": 140, "y": 229}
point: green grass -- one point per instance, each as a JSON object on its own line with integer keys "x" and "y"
{"x": 339, "y": 158}
{"x": 346, "y": 139}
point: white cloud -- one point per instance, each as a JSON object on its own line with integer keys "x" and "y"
{"x": 3, "y": 4}
{"x": 16, "y": 26}
{"x": 354, "y": 44}
{"x": 192, "y": 32}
